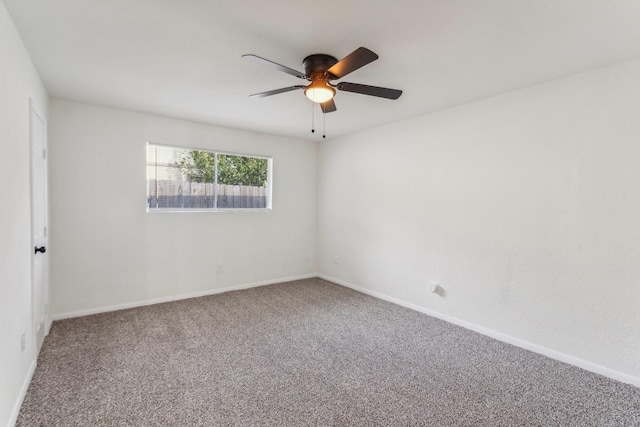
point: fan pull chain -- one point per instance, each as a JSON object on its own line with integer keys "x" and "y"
{"x": 324, "y": 125}
{"x": 313, "y": 105}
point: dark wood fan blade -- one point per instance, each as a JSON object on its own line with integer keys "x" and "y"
{"x": 329, "y": 106}
{"x": 275, "y": 65}
{"x": 276, "y": 91}
{"x": 356, "y": 59}
{"x": 381, "y": 92}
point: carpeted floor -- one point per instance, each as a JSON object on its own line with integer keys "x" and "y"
{"x": 304, "y": 353}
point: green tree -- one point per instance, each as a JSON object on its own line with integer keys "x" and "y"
{"x": 241, "y": 170}
{"x": 199, "y": 166}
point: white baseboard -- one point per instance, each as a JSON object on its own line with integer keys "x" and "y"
{"x": 553, "y": 354}
{"x": 87, "y": 312}
{"x": 23, "y": 393}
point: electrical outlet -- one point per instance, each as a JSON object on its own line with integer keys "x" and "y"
{"x": 23, "y": 342}
{"x": 220, "y": 268}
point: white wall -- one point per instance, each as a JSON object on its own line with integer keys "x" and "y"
{"x": 525, "y": 207}
{"x": 107, "y": 252}
{"x": 19, "y": 82}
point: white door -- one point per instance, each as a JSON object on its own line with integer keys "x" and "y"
{"x": 39, "y": 227}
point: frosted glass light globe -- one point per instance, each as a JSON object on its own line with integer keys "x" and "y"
{"x": 319, "y": 93}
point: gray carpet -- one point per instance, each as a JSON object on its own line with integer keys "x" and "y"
{"x": 304, "y": 353}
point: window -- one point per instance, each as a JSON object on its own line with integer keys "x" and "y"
{"x": 190, "y": 179}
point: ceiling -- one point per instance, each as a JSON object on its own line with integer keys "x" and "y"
{"x": 182, "y": 58}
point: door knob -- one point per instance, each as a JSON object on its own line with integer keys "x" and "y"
{"x": 40, "y": 249}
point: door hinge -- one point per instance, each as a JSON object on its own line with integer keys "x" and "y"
{"x": 44, "y": 153}
{"x": 45, "y": 231}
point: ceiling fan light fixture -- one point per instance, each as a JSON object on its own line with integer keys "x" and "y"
{"x": 319, "y": 92}
{"x": 320, "y": 69}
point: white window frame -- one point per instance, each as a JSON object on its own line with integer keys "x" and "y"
{"x": 269, "y": 187}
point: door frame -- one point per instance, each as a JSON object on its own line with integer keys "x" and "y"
{"x": 45, "y": 188}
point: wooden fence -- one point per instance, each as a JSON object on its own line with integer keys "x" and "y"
{"x": 196, "y": 195}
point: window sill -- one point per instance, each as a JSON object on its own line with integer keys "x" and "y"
{"x": 169, "y": 210}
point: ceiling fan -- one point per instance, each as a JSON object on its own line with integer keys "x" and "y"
{"x": 320, "y": 70}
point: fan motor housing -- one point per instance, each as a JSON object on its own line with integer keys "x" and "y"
{"x": 318, "y": 62}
